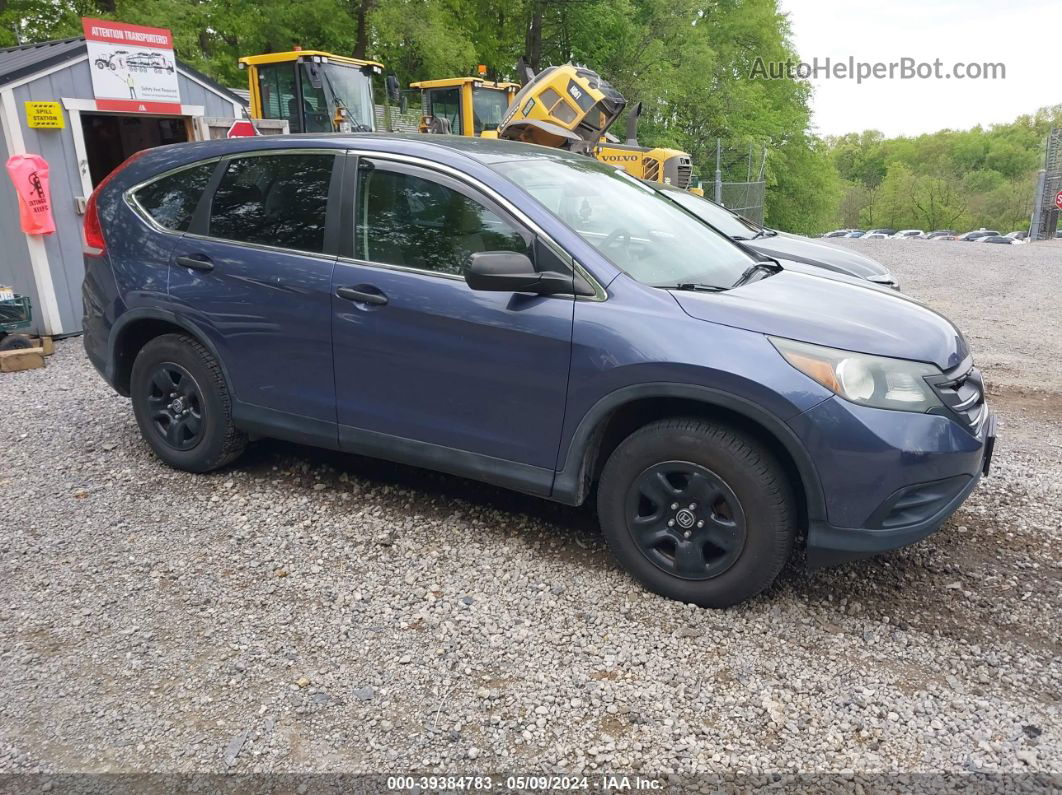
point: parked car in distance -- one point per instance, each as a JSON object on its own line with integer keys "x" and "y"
{"x": 995, "y": 239}
{"x": 884, "y": 232}
{"x": 839, "y": 233}
{"x": 1019, "y": 235}
{"x": 982, "y": 232}
{"x": 855, "y": 233}
{"x": 779, "y": 245}
{"x": 538, "y": 320}
{"x": 1058, "y": 234}
{"x": 907, "y": 234}
{"x": 876, "y": 236}
{"x": 948, "y": 234}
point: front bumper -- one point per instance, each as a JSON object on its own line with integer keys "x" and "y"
{"x": 829, "y": 545}
{"x": 889, "y": 478}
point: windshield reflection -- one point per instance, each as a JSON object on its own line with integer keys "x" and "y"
{"x": 637, "y": 229}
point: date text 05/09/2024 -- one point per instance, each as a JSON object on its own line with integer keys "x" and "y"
{"x": 532, "y": 783}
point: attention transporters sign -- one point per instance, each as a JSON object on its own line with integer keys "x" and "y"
{"x": 133, "y": 68}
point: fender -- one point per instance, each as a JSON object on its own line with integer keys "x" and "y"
{"x": 131, "y": 316}
{"x": 570, "y": 484}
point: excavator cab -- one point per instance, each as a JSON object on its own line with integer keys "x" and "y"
{"x": 566, "y": 106}
{"x": 464, "y": 105}
{"x": 314, "y": 91}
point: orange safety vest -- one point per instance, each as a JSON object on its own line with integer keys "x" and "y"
{"x": 30, "y": 175}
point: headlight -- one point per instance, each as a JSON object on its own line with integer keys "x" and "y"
{"x": 867, "y": 380}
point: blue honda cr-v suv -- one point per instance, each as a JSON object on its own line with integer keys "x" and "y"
{"x": 537, "y": 320}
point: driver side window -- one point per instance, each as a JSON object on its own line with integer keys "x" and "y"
{"x": 416, "y": 222}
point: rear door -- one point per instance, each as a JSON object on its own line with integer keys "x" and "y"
{"x": 428, "y": 370}
{"x": 254, "y": 273}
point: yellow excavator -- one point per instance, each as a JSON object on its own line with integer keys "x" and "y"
{"x": 654, "y": 164}
{"x": 315, "y": 91}
{"x": 572, "y": 107}
{"x": 464, "y": 105}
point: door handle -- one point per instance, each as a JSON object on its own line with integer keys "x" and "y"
{"x": 360, "y": 297}
{"x": 199, "y": 262}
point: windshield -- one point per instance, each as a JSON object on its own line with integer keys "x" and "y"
{"x": 488, "y": 107}
{"x": 711, "y": 213}
{"x": 636, "y": 228}
{"x": 350, "y": 88}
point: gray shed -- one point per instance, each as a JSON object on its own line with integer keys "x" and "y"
{"x": 50, "y": 268}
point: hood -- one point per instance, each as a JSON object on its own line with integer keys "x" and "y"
{"x": 811, "y": 252}
{"x": 836, "y": 313}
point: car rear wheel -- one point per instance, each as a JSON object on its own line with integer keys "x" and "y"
{"x": 697, "y": 511}
{"x": 182, "y": 404}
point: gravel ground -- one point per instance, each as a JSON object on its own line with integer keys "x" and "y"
{"x": 306, "y": 611}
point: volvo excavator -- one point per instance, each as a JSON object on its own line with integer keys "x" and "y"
{"x": 572, "y": 107}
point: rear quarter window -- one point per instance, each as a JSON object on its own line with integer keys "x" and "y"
{"x": 171, "y": 200}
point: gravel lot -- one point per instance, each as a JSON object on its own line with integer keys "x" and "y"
{"x": 306, "y": 611}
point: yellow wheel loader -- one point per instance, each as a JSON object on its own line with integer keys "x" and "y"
{"x": 464, "y": 105}
{"x": 572, "y": 107}
{"x": 315, "y": 91}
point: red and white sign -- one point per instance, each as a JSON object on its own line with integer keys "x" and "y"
{"x": 1058, "y": 200}
{"x": 242, "y": 128}
{"x": 133, "y": 68}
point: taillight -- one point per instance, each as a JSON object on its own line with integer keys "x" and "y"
{"x": 93, "y": 234}
{"x": 94, "y": 240}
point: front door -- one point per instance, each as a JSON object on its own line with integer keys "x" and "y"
{"x": 255, "y": 274}
{"x": 427, "y": 370}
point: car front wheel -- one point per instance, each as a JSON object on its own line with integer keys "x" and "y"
{"x": 697, "y": 511}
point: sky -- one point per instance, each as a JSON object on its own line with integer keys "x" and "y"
{"x": 1024, "y": 35}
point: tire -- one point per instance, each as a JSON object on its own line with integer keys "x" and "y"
{"x": 182, "y": 405}
{"x": 729, "y": 502}
{"x": 15, "y": 342}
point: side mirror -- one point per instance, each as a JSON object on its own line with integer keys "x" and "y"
{"x": 511, "y": 272}
{"x": 393, "y": 90}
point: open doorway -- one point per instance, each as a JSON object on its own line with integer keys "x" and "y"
{"x": 111, "y": 138}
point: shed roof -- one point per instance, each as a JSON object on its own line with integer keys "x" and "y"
{"x": 28, "y": 59}
{"x": 24, "y": 60}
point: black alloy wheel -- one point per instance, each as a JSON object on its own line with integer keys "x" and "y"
{"x": 176, "y": 403}
{"x": 697, "y": 510}
{"x": 686, "y": 520}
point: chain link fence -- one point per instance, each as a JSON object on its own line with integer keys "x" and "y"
{"x": 745, "y": 197}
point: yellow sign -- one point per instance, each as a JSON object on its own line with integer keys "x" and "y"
{"x": 45, "y": 115}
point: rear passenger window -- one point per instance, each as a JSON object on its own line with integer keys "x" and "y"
{"x": 276, "y": 200}
{"x": 171, "y": 200}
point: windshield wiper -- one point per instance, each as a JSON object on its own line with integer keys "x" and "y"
{"x": 766, "y": 267}
{"x": 693, "y": 287}
{"x": 764, "y": 232}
